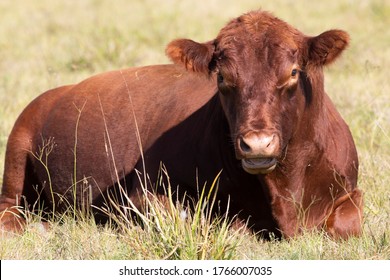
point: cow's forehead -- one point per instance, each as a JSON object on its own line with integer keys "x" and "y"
{"x": 259, "y": 30}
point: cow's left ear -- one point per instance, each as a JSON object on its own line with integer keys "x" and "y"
{"x": 326, "y": 47}
{"x": 194, "y": 56}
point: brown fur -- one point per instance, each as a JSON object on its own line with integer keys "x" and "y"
{"x": 288, "y": 160}
{"x": 316, "y": 157}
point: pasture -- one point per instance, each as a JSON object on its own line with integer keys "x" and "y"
{"x": 45, "y": 44}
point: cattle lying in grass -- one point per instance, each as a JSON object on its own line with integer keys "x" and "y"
{"x": 255, "y": 108}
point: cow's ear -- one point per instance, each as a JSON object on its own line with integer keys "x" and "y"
{"x": 194, "y": 56}
{"x": 326, "y": 47}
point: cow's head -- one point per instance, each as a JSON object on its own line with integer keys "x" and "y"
{"x": 262, "y": 64}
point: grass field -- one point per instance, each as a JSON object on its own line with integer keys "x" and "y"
{"x": 44, "y": 44}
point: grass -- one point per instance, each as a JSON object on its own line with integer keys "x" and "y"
{"x": 44, "y": 44}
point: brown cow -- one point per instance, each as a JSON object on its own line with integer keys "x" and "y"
{"x": 262, "y": 116}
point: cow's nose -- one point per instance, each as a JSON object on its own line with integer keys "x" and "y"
{"x": 258, "y": 145}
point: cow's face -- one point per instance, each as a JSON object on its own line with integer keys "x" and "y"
{"x": 259, "y": 62}
{"x": 257, "y": 73}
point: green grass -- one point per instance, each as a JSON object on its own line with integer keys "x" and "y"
{"x": 44, "y": 44}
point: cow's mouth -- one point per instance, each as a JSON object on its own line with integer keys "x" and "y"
{"x": 259, "y": 165}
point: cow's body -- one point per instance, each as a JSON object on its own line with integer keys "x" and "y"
{"x": 288, "y": 160}
{"x": 180, "y": 124}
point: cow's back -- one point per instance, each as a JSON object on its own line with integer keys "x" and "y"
{"x": 90, "y": 135}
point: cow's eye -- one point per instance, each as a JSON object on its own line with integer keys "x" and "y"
{"x": 219, "y": 78}
{"x": 294, "y": 72}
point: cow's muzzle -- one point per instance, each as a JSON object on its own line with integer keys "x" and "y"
{"x": 258, "y": 152}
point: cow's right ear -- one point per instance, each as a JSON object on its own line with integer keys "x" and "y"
{"x": 327, "y": 47}
{"x": 194, "y": 56}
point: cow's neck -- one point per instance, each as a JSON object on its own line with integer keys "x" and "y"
{"x": 287, "y": 184}
{"x": 310, "y": 137}
{"x": 312, "y": 122}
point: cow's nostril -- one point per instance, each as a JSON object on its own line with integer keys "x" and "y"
{"x": 272, "y": 140}
{"x": 244, "y": 146}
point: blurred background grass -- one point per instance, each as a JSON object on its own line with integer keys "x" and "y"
{"x": 45, "y": 44}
